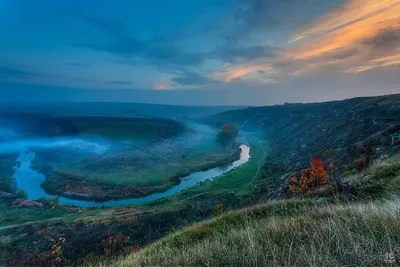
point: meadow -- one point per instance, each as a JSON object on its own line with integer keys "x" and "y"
{"x": 97, "y": 156}
{"x": 141, "y": 157}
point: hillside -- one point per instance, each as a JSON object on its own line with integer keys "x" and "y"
{"x": 340, "y": 131}
{"x": 294, "y": 232}
{"x": 248, "y": 216}
{"x": 303, "y": 129}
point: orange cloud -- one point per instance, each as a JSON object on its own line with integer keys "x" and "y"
{"x": 350, "y": 39}
{"x": 238, "y": 72}
{"x": 376, "y": 63}
{"x": 347, "y": 27}
{"x": 388, "y": 59}
{"x": 348, "y": 14}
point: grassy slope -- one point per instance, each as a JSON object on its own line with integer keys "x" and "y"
{"x": 298, "y": 131}
{"x": 294, "y": 232}
{"x": 10, "y": 216}
{"x": 240, "y": 180}
{"x": 340, "y": 132}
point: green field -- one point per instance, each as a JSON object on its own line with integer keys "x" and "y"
{"x": 131, "y": 165}
{"x": 240, "y": 181}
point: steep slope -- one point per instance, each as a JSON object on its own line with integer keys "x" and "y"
{"x": 296, "y": 232}
{"x": 296, "y": 131}
{"x": 341, "y": 132}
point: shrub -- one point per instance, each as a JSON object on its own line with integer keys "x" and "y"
{"x": 310, "y": 180}
{"x": 21, "y": 193}
{"x": 227, "y": 134}
{"x": 54, "y": 200}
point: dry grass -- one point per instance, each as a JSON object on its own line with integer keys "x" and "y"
{"x": 334, "y": 235}
{"x": 296, "y": 232}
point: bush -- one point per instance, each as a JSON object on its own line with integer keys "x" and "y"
{"x": 21, "y": 193}
{"x": 227, "y": 134}
{"x": 310, "y": 180}
{"x": 54, "y": 200}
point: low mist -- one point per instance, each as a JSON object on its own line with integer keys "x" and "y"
{"x": 21, "y": 145}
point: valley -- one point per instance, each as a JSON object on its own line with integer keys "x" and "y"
{"x": 112, "y": 164}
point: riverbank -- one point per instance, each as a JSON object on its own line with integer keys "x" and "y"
{"x": 31, "y": 179}
{"x": 70, "y": 185}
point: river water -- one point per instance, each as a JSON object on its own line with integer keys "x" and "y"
{"x": 30, "y": 180}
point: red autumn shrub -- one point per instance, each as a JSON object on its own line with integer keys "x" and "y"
{"x": 311, "y": 179}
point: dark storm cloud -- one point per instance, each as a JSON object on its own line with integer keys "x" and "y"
{"x": 193, "y": 79}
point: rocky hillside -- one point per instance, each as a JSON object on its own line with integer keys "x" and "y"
{"x": 298, "y": 131}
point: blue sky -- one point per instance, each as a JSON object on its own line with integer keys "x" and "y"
{"x": 228, "y": 52}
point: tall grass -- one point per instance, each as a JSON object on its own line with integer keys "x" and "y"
{"x": 295, "y": 232}
{"x": 333, "y": 235}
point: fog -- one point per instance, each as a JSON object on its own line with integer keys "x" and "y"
{"x": 21, "y": 145}
{"x": 14, "y": 140}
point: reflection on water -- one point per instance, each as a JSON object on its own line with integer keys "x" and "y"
{"x": 30, "y": 180}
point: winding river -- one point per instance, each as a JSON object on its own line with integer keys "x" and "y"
{"x": 30, "y": 180}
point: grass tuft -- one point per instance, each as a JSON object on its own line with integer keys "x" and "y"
{"x": 292, "y": 232}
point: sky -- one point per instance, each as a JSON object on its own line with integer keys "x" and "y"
{"x": 209, "y": 52}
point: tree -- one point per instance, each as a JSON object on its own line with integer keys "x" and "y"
{"x": 54, "y": 200}
{"x": 227, "y": 134}
{"x": 311, "y": 179}
{"x": 318, "y": 174}
{"x": 21, "y": 193}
